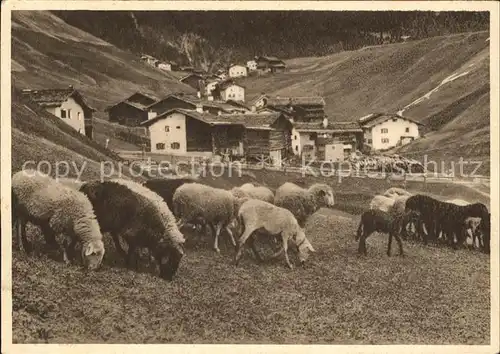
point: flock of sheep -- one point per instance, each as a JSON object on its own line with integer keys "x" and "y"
{"x": 454, "y": 222}
{"x": 151, "y": 215}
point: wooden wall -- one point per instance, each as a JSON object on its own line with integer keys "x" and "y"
{"x": 127, "y": 115}
{"x": 198, "y": 135}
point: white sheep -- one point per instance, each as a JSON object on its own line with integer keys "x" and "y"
{"x": 70, "y": 182}
{"x": 395, "y": 192}
{"x": 258, "y": 192}
{"x": 256, "y": 215}
{"x": 304, "y": 202}
{"x": 382, "y": 202}
{"x": 56, "y": 209}
{"x": 218, "y": 207}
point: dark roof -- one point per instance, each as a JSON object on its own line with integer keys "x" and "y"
{"x": 134, "y": 104}
{"x": 189, "y": 75}
{"x": 225, "y": 84}
{"x": 331, "y": 127}
{"x": 377, "y": 118}
{"x": 54, "y": 97}
{"x": 249, "y": 121}
{"x": 203, "y": 117}
{"x": 293, "y": 101}
{"x": 268, "y": 58}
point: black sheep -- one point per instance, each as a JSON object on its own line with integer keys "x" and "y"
{"x": 126, "y": 213}
{"x": 377, "y": 220}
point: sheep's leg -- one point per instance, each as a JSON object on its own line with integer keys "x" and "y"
{"x": 287, "y": 259}
{"x": 118, "y": 246}
{"x": 241, "y": 242}
{"x": 362, "y": 243}
{"x": 28, "y": 247}
{"x": 255, "y": 249}
{"x": 400, "y": 244}
{"x": 230, "y": 233}
{"x": 389, "y": 245}
{"x": 130, "y": 257}
{"x": 218, "y": 229}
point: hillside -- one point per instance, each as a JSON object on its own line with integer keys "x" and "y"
{"x": 442, "y": 82}
{"x": 47, "y": 52}
{"x": 39, "y": 136}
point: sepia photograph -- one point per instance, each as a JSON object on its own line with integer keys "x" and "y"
{"x": 253, "y": 175}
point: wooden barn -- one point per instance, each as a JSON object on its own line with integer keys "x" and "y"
{"x": 305, "y": 109}
{"x": 132, "y": 111}
{"x": 194, "y": 80}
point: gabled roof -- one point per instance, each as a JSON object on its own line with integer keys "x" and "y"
{"x": 373, "y": 119}
{"x": 55, "y": 97}
{"x": 189, "y": 75}
{"x": 194, "y": 100}
{"x": 225, "y": 84}
{"x": 203, "y": 117}
{"x": 230, "y": 66}
{"x": 134, "y": 104}
{"x": 267, "y": 58}
{"x": 332, "y": 127}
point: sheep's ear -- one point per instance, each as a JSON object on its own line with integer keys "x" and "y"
{"x": 89, "y": 249}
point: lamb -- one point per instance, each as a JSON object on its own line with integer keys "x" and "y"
{"x": 377, "y": 220}
{"x": 304, "y": 202}
{"x": 472, "y": 224}
{"x": 258, "y": 192}
{"x": 141, "y": 217}
{"x": 381, "y": 202}
{"x": 56, "y": 209}
{"x": 257, "y": 215}
{"x": 395, "y": 192}
{"x": 218, "y": 207}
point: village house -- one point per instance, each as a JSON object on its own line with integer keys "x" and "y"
{"x": 266, "y": 64}
{"x": 196, "y": 81}
{"x": 229, "y": 90}
{"x": 305, "y": 109}
{"x": 210, "y": 86}
{"x": 168, "y": 66}
{"x": 148, "y": 59}
{"x": 326, "y": 140}
{"x": 67, "y": 104}
{"x": 252, "y": 65}
{"x": 384, "y": 131}
{"x": 237, "y": 71}
{"x": 131, "y": 111}
{"x": 196, "y": 132}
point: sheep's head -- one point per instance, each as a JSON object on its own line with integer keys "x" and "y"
{"x": 304, "y": 247}
{"x": 169, "y": 257}
{"x": 323, "y": 194}
{"x": 92, "y": 254}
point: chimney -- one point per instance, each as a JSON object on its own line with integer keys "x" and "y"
{"x": 151, "y": 115}
{"x": 199, "y": 108}
{"x": 325, "y": 123}
{"x": 254, "y": 109}
{"x": 198, "y": 94}
{"x": 219, "y": 113}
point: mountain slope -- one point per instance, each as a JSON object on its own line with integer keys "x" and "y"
{"x": 47, "y": 52}
{"x": 442, "y": 82}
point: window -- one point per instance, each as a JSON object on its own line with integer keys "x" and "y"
{"x": 63, "y": 113}
{"x": 296, "y": 148}
{"x": 175, "y": 146}
{"x": 407, "y": 130}
{"x": 385, "y": 140}
{"x": 178, "y": 127}
{"x": 369, "y": 141}
{"x": 79, "y": 115}
{"x": 160, "y": 146}
{"x": 384, "y": 130}
{"x": 167, "y": 129}
{"x": 69, "y": 113}
{"x": 295, "y": 137}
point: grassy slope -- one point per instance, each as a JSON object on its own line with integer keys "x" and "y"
{"x": 47, "y": 52}
{"x": 338, "y": 298}
{"x": 389, "y": 77}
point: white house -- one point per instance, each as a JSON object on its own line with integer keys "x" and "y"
{"x": 168, "y": 132}
{"x": 210, "y": 86}
{"x": 67, "y": 104}
{"x": 252, "y": 65}
{"x": 231, "y": 91}
{"x": 238, "y": 71}
{"x": 384, "y": 131}
{"x": 165, "y": 66}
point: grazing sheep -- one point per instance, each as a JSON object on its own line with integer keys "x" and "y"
{"x": 303, "y": 202}
{"x": 141, "y": 218}
{"x": 218, "y": 207}
{"x": 239, "y": 193}
{"x": 395, "y": 192}
{"x": 257, "y": 215}
{"x": 381, "y": 202}
{"x": 258, "y": 192}
{"x": 377, "y": 220}
{"x": 56, "y": 209}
